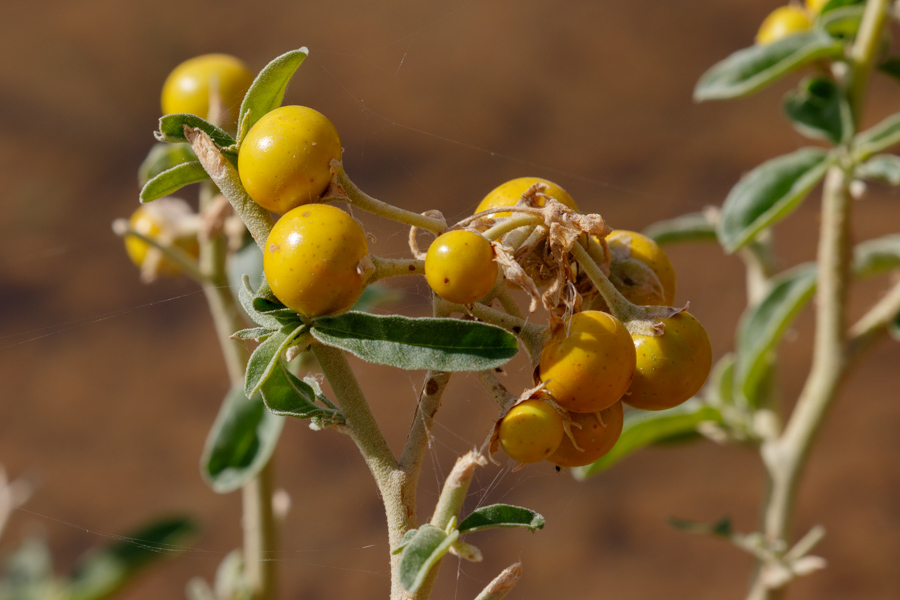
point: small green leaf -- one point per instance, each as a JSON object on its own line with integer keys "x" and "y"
{"x": 104, "y": 571}
{"x": 881, "y": 167}
{"x": 163, "y": 157}
{"x": 751, "y": 69}
{"x": 407, "y": 343}
{"x": 286, "y": 395}
{"x": 171, "y": 129}
{"x": 267, "y": 91}
{"x": 692, "y": 227}
{"x": 501, "y": 516}
{"x": 877, "y": 138}
{"x": 404, "y": 542}
{"x": 815, "y": 108}
{"x": 721, "y": 528}
{"x": 721, "y": 380}
{"x": 645, "y": 428}
{"x": 876, "y": 256}
{"x": 253, "y": 333}
{"x": 246, "y": 261}
{"x": 267, "y": 357}
{"x": 842, "y": 21}
{"x": 246, "y": 297}
{"x": 891, "y": 67}
{"x": 836, "y": 4}
{"x": 240, "y": 443}
{"x": 762, "y": 326}
{"x": 769, "y": 193}
{"x": 422, "y": 552}
{"x": 169, "y": 182}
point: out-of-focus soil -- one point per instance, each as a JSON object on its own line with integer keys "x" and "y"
{"x": 109, "y": 386}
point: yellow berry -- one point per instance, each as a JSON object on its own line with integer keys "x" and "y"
{"x": 641, "y": 248}
{"x": 508, "y": 194}
{"x": 531, "y": 431}
{"x": 781, "y": 23}
{"x": 158, "y": 221}
{"x": 460, "y": 266}
{"x": 187, "y": 87}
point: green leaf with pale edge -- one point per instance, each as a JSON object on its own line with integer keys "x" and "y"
{"x": 104, "y": 571}
{"x": 246, "y": 297}
{"x": 426, "y": 547}
{"x": 837, "y": 4}
{"x": 407, "y": 343}
{"x": 286, "y": 395}
{"x": 692, "y": 227}
{"x": 842, "y": 22}
{"x": 876, "y": 256}
{"x": 877, "y": 138}
{"x": 762, "y": 326}
{"x": 171, "y": 129}
{"x": 769, "y": 193}
{"x": 721, "y": 380}
{"x": 267, "y": 91}
{"x": 815, "y": 109}
{"x": 884, "y": 168}
{"x": 253, "y": 333}
{"x": 751, "y": 69}
{"x": 163, "y": 157}
{"x": 267, "y": 356}
{"x": 501, "y": 516}
{"x": 169, "y": 182}
{"x": 240, "y": 442}
{"x": 409, "y": 535}
{"x": 645, "y": 428}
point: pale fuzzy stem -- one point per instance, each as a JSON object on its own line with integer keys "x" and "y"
{"x": 257, "y": 219}
{"x": 874, "y": 324}
{"x": 511, "y": 223}
{"x": 786, "y": 457}
{"x": 502, "y": 583}
{"x": 394, "y": 267}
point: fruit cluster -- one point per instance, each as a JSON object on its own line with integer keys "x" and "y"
{"x": 612, "y": 336}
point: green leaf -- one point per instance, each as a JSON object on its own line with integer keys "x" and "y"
{"x": 881, "y": 167}
{"x": 877, "y": 138}
{"x": 267, "y": 91}
{"x": 404, "y": 542}
{"x": 836, "y": 4}
{"x": 841, "y": 22}
{"x": 171, "y": 129}
{"x": 645, "y": 428}
{"x": 769, "y": 193}
{"x": 246, "y": 296}
{"x": 501, "y": 516}
{"x": 751, "y": 69}
{"x": 692, "y": 227}
{"x": 876, "y": 256}
{"x": 172, "y": 180}
{"x": 815, "y": 109}
{"x": 426, "y": 547}
{"x": 240, "y": 442}
{"x": 253, "y": 333}
{"x": 891, "y": 67}
{"x": 762, "y": 326}
{"x": 721, "y": 528}
{"x": 407, "y": 343}
{"x": 163, "y": 157}
{"x": 721, "y": 380}
{"x": 267, "y": 356}
{"x": 246, "y": 261}
{"x": 104, "y": 571}
{"x": 286, "y": 395}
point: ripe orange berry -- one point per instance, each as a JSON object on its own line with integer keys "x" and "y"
{"x": 596, "y": 436}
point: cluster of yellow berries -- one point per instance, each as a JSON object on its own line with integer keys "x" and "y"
{"x": 316, "y": 262}
{"x": 787, "y": 20}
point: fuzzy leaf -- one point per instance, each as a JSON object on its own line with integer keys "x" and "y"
{"x": 172, "y": 180}
{"x": 104, "y": 571}
{"x": 267, "y": 91}
{"x": 876, "y": 256}
{"x": 501, "y": 516}
{"x": 407, "y": 343}
{"x": 286, "y": 395}
{"x": 881, "y": 167}
{"x": 645, "y": 428}
{"x": 769, "y": 193}
{"x": 422, "y": 551}
{"x": 171, "y": 129}
{"x": 877, "y": 138}
{"x": 692, "y": 227}
{"x": 841, "y": 21}
{"x": 163, "y": 157}
{"x": 240, "y": 442}
{"x": 246, "y": 261}
{"x": 762, "y": 326}
{"x": 815, "y": 109}
{"x": 267, "y": 356}
{"x": 246, "y": 296}
{"x": 751, "y": 69}
{"x": 404, "y": 541}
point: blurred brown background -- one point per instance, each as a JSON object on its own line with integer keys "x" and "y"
{"x": 109, "y": 386}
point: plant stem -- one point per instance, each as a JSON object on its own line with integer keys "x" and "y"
{"x": 258, "y": 519}
{"x": 785, "y": 458}
{"x": 502, "y": 584}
